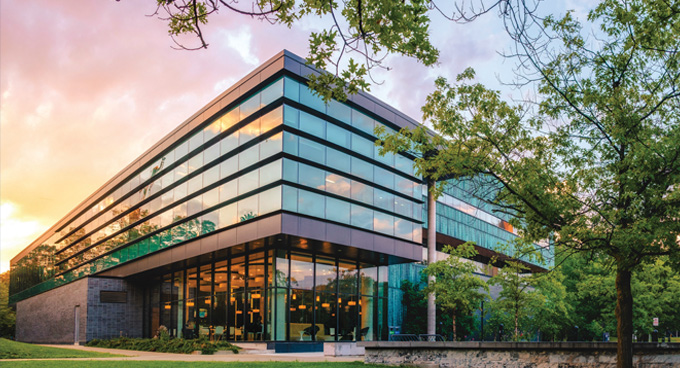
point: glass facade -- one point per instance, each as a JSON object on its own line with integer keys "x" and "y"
{"x": 271, "y": 295}
{"x": 276, "y": 149}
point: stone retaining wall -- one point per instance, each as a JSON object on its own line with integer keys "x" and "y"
{"x": 517, "y": 355}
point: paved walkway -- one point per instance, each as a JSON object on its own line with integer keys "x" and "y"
{"x": 249, "y": 357}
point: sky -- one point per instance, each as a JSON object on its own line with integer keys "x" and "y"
{"x": 87, "y": 86}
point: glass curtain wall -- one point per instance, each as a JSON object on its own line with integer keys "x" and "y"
{"x": 272, "y": 295}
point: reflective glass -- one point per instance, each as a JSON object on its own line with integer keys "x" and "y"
{"x": 383, "y": 223}
{"x": 403, "y": 206}
{"x": 211, "y": 153}
{"x": 368, "y": 278}
{"x": 291, "y": 116}
{"x": 228, "y": 215}
{"x": 272, "y": 92}
{"x": 337, "y": 184}
{"x": 228, "y": 190}
{"x": 326, "y": 318}
{"x": 180, "y": 191}
{"x": 181, "y": 150}
{"x": 228, "y": 167}
{"x": 311, "y": 204}
{"x": 384, "y": 178}
{"x": 195, "y": 184}
{"x": 387, "y": 158}
{"x": 212, "y": 130}
{"x": 339, "y": 136}
{"x": 211, "y": 198}
{"x": 248, "y": 208}
{"x": 249, "y": 132}
{"x": 362, "y": 169}
{"x": 228, "y": 143}
{"x": 383, "y": 200}
{"x": 362, "y": 122}
{"x": 362, "y": 146}
{"x": 362, "y": 217}
{"x": 195, "y": 141}
{"x": 248, "y": 182}
{"x": 210, "y": 221}
{"x": 270, "y": 173}
{"x": 347, "y": 277}
{"x": 270, "y": 200}
{"x": 311, "y": 99}
{"x": 271, "y": 146}
{"x": 362, "y": 192}
{"x": 339, "y": 111}
{"x": 180, "y": 173}
{"x": 195, "y": 205}
{"x": 338, "y": 160}
{"x": 312, "y": 125}
{"x": 290, "y": 143}
{"x": 312, "y": 151}
{"x": 403, "y": 229}
{"x": 292, "y": 89}
{"x": 337, "y": 210}
{"x": 301, "y": 272}
{"x": 229, "y": 119}
{"x": 290, "y": 170}
{"x": 311, "y": 177}
{"x": 271, "y": 119}
{"x": 249, "y": 106}
{"x": 248, "y": 157}
{"x": 326, "y": 275}
{"x": 211, "y": 176}
{"x": 367, "y": 319}
{"x": 290, "y": 198}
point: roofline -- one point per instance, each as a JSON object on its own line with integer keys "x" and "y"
{"x": 283, "y": 60}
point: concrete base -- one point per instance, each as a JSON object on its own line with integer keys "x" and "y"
{"x": 342, "y": 349}
{"x": 517, "y": 355}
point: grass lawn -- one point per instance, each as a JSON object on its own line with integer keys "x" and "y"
{"x": 152, "y": 364}
{"x": 18, "y": 350}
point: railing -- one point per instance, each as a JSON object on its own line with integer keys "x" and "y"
{"x": 414, "y": 337}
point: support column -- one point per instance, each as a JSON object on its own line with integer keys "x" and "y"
{"x": 431, "y": 254}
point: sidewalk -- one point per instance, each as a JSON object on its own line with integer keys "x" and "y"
{"x": 149, "y": 355}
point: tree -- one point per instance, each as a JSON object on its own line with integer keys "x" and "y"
{"x": 457, "y": 289}
{"x": 415, "y": 308}
{"x": 551, "y": 313}
{"x": 7, "y": 315}
{"x": 596, "y": 163}
{"x": 515, "y": 298}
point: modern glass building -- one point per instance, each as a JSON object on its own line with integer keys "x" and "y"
{"x": 266, "y": 216}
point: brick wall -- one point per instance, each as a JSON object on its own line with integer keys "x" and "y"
{"x": 50, "y": 317}
{"x": 109, "y": 320}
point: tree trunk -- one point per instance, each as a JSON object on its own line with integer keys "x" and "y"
{"x": 454, "y": 327}
{"x": 516, "y": 325}
{"x": 624, "y": 318}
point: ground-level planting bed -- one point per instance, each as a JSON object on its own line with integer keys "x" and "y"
{"x": 18, "y": 350}
{"x": 165, "y": 345}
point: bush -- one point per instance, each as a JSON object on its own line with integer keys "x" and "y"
{"x": 164, "y": 345}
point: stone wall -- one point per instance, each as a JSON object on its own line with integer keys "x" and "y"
{"x": 517, "y": 355}
{"x": 50, "y": 317}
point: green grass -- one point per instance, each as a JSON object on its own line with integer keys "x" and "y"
{"x": 162, "y": 364}
{"x": 18, "y": 350}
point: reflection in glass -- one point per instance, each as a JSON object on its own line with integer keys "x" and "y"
{"x": 301, "y": 313}
{"x": 301, "y": 272}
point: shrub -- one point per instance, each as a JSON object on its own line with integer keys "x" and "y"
{"x": 165, "y": 344}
